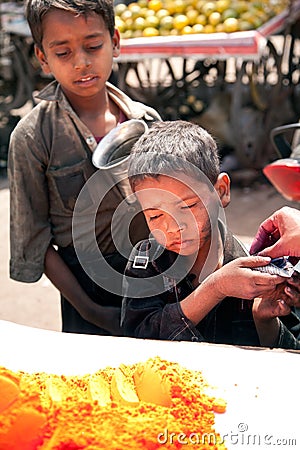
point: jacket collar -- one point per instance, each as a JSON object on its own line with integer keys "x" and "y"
{"x": 132, "y": 109}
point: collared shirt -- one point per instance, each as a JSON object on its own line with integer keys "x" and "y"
{"x": 160, "y": 316}
{"x": 50, "y": 160}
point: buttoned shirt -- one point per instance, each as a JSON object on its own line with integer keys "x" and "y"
{"x": 160, "y": 316}
{"x": 50, "y": 161}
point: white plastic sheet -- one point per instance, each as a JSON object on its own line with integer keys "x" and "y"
{"x": 261, "y": 386}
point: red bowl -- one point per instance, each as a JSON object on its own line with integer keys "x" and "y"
{"x": 284, "y": 174}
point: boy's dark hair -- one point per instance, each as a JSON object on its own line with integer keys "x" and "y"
{"x": 37, "y": 9}
{"x": 165, "y": 148}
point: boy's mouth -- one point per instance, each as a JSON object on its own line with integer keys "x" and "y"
{"x": 86, "y": 79}
{"x": 182, "y": 244}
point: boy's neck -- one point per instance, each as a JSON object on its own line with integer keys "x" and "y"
{"x": 100, "y": 115}
{"x": 97, "y": 104}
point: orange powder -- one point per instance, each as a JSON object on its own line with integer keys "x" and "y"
{"x": 150, "y": 405}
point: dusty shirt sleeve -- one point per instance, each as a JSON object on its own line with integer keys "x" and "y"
{"x": 152, "y": 318}
{"x": 289, "y": 333}
{"x": 30, "y": 230}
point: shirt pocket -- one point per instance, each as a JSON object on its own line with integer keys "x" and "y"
{"x": 65, "y": 185}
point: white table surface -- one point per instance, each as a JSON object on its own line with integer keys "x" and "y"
{"x": 261, "y": 386}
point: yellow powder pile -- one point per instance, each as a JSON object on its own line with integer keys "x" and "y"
{"x": 152, "y": 405}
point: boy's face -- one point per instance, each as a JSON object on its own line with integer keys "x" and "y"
{"x": 78, "y": 51}
{"x": 179, "y": 218}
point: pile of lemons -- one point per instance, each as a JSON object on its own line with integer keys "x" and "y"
{"x": 180, "y": 17}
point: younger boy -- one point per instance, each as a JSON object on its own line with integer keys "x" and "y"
{"x": 192, "y": 280}
{"x": 50, "y": 158}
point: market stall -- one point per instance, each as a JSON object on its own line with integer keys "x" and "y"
{"x": 231, "y": 83}
{"x": 248, "y": 45}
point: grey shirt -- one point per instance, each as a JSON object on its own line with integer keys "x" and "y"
{"x": 50, "y": 160}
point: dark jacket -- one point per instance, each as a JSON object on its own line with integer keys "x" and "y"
{"x": 160, "y": 316}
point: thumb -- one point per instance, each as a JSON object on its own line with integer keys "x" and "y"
{"x": 255, "y": 261}
{"x": 260, "y": 241}
{"x": 274, "y": 251}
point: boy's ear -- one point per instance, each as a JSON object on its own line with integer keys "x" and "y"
{"x": 116, "y": 43}
{"x": 222, "y": 186}
{"x": 42, "y": 60}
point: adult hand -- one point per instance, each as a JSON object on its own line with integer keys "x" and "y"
{"x": 279, "y": 235}
{"x": 279, "y": 300}
{"x": 292, "y": 291}
{"x": 272, "y": 304}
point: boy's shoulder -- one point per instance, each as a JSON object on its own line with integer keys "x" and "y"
{"x": 40, "y": 105}
{"x": 29, "y": 122}
{"x": 44, "y": 112}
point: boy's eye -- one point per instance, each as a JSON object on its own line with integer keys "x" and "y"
{"x": 155, "y": 217}
{"x": 95, "y": 47}
{"x": 61, "y": 54}
{"x": 190, "y": 206}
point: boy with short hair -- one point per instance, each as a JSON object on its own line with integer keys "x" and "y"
{"x": 192, "y": 280}
{"x": 50, "y": 158}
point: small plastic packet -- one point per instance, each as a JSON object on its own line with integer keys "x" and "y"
{"x": 278, "y": 266}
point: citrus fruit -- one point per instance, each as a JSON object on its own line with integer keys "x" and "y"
{"x": 214, "y": 18}
{"x": 230, "y": 12}
{"x": 187, "y": 30}
{"x": 128, "y": 34}
{"x": 139, "y": 23}
{"x": 199, "y": 5}
{"x": 180, "y": 21}
{"x": 137, "y": 33}
{"x": 241, "y": 6}
{"x": 151, "y": 21}
{"x": 244, "y": 25}
{"x": 178, "y": 17}
{"x": 222, "y": 5}
{"x": 150, "y": 32}
{"x": 127, "y": 14}
{"x": 169, "y": 5}
{"x": 179, "y": 6}
{"x": 231, "y": 24}
{"x": 209, "y": 28}
{"x": 220, "y": 28}
{"x": 201, "y": 19}
{"x": 192, "y": 15}
{"x": 134, "y": 9}
{"x": 120, "y": 24}
{"x": 162, "y": 13}
{"x": 120, "y": 8}
{"x": 197, "y": 28}
{"x": 208, "y": 8}
{"x": 155, "y": 5}
{"x": 166, "y": 23}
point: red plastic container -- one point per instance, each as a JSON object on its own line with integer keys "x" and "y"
{"x": 284, "y": 174}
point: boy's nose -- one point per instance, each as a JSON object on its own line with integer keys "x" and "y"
{"x": 175, "y": 224}
{"x": 81, "y": 60}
